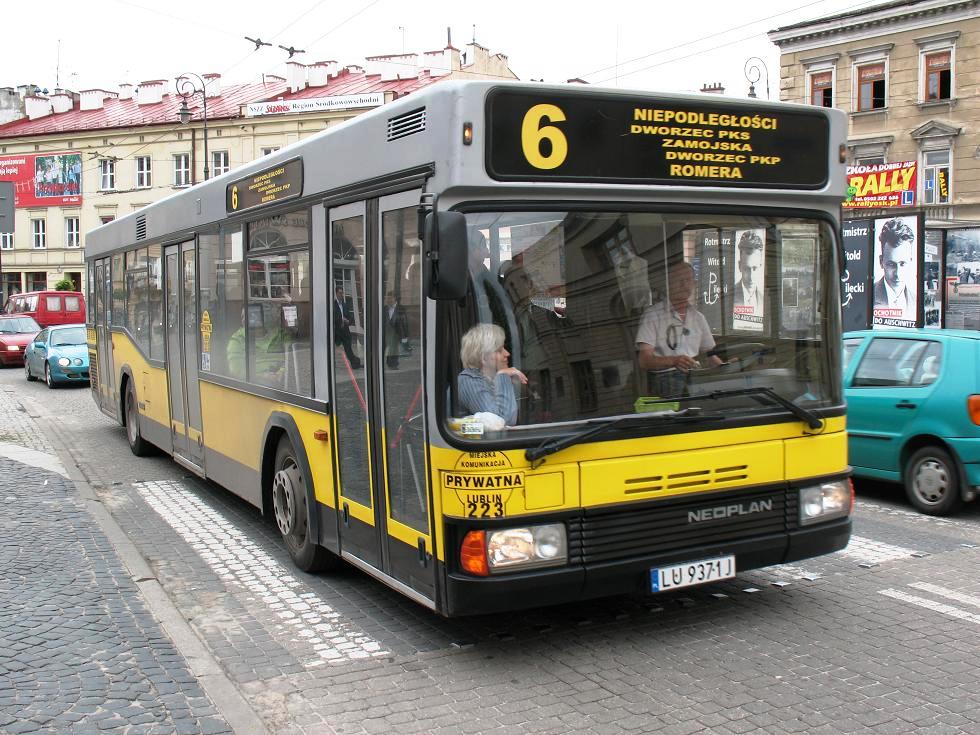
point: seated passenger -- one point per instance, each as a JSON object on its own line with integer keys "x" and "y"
{"x": 486, "y": 382}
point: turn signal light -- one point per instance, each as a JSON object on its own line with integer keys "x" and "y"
{"x": 473, "y": 554}
{"x": 973, "y": 408}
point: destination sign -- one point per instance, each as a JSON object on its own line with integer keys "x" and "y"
{"x": 276, "y": 184}
{"x": 647, "y": 140}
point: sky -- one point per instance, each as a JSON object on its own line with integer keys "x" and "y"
{"x": 651, "y": 45}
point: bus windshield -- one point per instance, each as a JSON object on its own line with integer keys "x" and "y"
{"x": 605, "y": 314}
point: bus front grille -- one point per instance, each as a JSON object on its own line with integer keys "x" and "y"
{"x": 604, "y": 535}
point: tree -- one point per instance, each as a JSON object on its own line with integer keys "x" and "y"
{"x": 65, "y": 284}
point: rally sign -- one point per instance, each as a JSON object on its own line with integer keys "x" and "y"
{"x": 881, "y": 185}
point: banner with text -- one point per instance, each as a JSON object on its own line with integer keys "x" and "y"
{"x": 881, "y": 185}
{"x": 315, "y": 104}
{"x": 51, "y": 180}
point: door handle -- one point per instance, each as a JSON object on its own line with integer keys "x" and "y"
{"x": 905, "y": 404}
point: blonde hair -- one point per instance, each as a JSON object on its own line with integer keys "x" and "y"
{"x": 478, "y": 342}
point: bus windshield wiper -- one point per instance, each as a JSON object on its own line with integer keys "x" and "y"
{"x": 537, "y": 454}
{"x": 803, "y": 414}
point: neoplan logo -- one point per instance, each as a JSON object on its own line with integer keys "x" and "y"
{"x": 727, "y": 511}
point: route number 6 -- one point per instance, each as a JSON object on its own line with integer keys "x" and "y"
{"x": 533, "y": 132}
{"x": 234, "y": 197}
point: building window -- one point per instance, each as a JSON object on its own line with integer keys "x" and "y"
{"x": 107, "y": 166}
{"x": 871, "y": 87}
{"x": 6, "y": 241}
{"x": 271, "y": 149}
{"x": 37, "y": 281}
{"x": 822, "y": 89}
{"x": 938, "y": 76}
{"x": 182, "y": 169}
{"x": 936, "y": 179}
{"x": 219, "y": 163}
{"x": 73, "y": 237}
{"x": 106, "y": 218}
{"x": 38, "y": 235}
{"x": 143, "y": 175}
{"x": 869, "y": 161}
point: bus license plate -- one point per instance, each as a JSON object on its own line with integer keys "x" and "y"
{"x": 691, "y": 573}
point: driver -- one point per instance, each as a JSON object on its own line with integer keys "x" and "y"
{"x": 672, "y": 332}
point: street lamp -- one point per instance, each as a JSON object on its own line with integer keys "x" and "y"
{"x": 186, "y": 87}
{"x": 754, "y": 68}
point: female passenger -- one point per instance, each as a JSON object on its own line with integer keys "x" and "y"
{"x": 486, "y": 382}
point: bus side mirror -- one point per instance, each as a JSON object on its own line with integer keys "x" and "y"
{"x": 446, "y": 253}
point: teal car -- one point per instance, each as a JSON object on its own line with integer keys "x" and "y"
{"x": 913, "y": 412}
{"x": 59, "y": 354}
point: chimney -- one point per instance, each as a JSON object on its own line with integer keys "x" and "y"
{"x": 441, "y": 62}
{"x": 92, "y": 99}
{"x": 715, "y": 88}
{"x": 151, "y": 92}
{"x": 60, "y": 101}
{"x": 393, "y": 66}
{"x": 295, "y": 75}
{"x": 212, "y": 85}
{"x": 272, "y": 79}
{"x": 125, "y": 91}
{"x": 37, "y": 106}
{"x": 319, "y": 73}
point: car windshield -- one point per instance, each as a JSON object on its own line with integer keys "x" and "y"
{"x": 610, "y": 313}
{"x": 19, "y": 325}
{"x": 67, "y": 337}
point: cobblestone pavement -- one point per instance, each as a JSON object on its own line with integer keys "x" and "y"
{"x": 79, "y": 651}
{"x": 880, "y": 638}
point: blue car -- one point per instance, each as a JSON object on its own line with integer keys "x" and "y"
{"x": 59, "y": 354}
{"x": 913, "y": 412}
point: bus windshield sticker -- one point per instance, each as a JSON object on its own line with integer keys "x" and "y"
{"x": 648, "y": 140}
{"x": 279, "y": 183}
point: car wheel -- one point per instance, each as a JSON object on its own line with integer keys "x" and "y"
{"x": 27, "y": 371}
{"x": 932, "y": 482}
{"x": 47, "y": 377}
{"x": 292, "y": 514}
{"x": 137, "y": 444}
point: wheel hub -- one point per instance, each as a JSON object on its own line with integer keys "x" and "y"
{"x": 284, "y": 488}
{"x": 931, "y": 481}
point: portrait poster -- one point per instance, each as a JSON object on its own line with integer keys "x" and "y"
{"x": 932, "y": 280}
{"x": 748, "y": 288}
{"x": 963, "y": 279}
{"x": 798, "y": 288}
{"x": 855, "y": 295}
{"x": 895, "y": 291}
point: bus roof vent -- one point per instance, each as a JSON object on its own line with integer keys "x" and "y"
{"x": 141, "y": 227}
{"x": 407, "y": 124}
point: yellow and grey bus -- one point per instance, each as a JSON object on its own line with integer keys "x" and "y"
{"x": 640, "y": 290}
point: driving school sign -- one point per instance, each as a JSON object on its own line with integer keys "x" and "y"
{"x": 881, "y": 185}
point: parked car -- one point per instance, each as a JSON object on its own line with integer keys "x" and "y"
{"x": 58, "y": 353}
{"x": 16, "y": 333}
{"x": 49, "y": 307}
{"x": 913, "y": 412}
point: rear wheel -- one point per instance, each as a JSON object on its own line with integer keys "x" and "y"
{"x": 932, "y": 482}
{"x": 289, "y": 505}
{"x": 47, "y": 377}
{"x": 27, "y": 371}
{"x": 137, "y": 444}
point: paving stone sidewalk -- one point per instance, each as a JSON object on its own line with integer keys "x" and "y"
{"x": 79, "y": 650}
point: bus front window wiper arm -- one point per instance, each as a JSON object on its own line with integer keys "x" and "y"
{"x": 803, "y": 414}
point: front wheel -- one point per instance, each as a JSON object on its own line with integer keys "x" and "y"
{"x": 292, "y": 513}
{"x": 137, "y": 444}
{"x": 47, "y": 377}
{"x": 932, "y": 482}
{"x": 27, "y": 371}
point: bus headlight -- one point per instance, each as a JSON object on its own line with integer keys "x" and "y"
{"x": 826, "y": 501}
{"x": 64, "y": 361}
{"x": 532, "y": 546}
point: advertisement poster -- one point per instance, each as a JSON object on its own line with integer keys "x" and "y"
{"x": 49, "y": 180}
{"x": 963, "y": 279}
{"x": 855, "y": 298}
{"x": 932, "y": 291}
{"x": 710, "y": 280}
{"x": 895, "y": 291}
{"x": 881, "y": 185}
{"x": 798, "y": 288}
{"x": 748, "y": 302}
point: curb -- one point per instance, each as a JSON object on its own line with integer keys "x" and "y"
{"x": 227, "y": 699}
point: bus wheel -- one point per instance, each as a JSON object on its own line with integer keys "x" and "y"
{"x": 292, "y": 514}
{"x": 137, "y": 444}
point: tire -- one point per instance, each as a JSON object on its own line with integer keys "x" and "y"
{"x": 291, "y": 515}
{"x": 932, "y": 482}
{"x": 47, "y": 377}
{"x": 137, "y": 444}
{"x": 27, "y": 372}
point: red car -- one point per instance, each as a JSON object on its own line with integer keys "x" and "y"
{"x": 16, "y": 332}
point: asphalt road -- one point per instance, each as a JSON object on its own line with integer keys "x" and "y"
{"x": 881, "y": 637}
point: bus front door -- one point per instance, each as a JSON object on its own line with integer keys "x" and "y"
{"x": 103, "y": 335}
{"x": 378, "y": 399}
{"x": 182, "y": 355}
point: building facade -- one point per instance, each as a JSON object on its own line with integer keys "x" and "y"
{"x": 907, "y": 74}
{"x": 78, "y": 160}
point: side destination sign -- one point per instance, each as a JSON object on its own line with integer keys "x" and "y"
{"x": 648, "y": 140}
{"x": 276, "y": 184}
